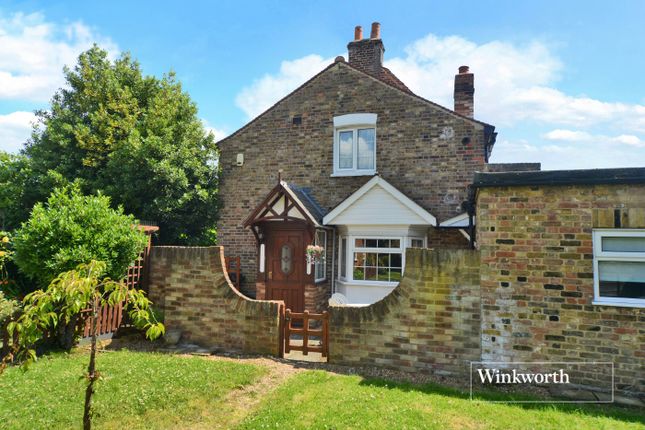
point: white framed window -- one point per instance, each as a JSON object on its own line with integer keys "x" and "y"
{"x": 377, "y": 259}
{"x": 619, "y": 267}
{"x": 355, "y": 144}
{"x": 320, "y": 267}
{"x": 342, "y": 266}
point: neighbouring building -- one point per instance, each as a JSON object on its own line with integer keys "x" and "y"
{"x": 563, "y": 268}
{"x": 355, "y": 162}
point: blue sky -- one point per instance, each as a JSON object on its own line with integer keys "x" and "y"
{"x": 563, "y": 83}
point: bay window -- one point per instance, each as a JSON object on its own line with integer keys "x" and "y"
{"x": 619, "y": 267}
{"x": 320, "y": 267}
{"x": 374, "y": 260}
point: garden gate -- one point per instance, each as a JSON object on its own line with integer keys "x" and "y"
{"x": 298, "y": 324}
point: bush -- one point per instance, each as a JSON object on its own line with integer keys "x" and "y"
{"x": 71, "y": 229}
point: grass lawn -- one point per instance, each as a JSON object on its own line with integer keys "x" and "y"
{"x": 320, "y": 400}
{"x": 158, "y": 391}
{"x": 139, "y": 390}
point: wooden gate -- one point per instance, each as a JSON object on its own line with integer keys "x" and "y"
{"x": 302, "y": 329}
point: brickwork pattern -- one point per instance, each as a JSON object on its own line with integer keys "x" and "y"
{"x": 537, "y": 277}
{"x": 429, "y": 323}
{"x": 191, "y": 287}
{"x": 415, "y": 153}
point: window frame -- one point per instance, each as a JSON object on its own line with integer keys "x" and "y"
{"x": 324, "y": 261}
{"x": 600, "y": 255}
{"x": 353, "y": 123}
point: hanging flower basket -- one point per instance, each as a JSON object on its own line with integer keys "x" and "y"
{"x": 315, "y": 254}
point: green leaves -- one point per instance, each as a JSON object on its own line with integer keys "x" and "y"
{"x": 67, "y": 295}
{"x": 71, "y": 229}
{"x": 138, "y": 139}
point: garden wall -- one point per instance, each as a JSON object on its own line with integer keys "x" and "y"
{"x": 429, "y": 323}
{"x": 197, "y": 297}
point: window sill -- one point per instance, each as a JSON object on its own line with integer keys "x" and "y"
{"x": 353, "y": 173}
{"x": 368, "y": 283}
{"x": 620, "y": 304}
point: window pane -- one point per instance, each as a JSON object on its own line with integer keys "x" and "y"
{"x": 345, "y": 150}
{"x": 370, "y": 274}
{"x": 383, "y": 243}
{"x": 623, "y": 244}
{"x": 371, "y": 243}
{"x": 395, "y": 243}
{"x": 359, "y": 274}
{"x": 370, "y": 259}
{"x": 384, "y": 260}
{"x": 343, "y": 258}
{"x": 359, "y": 243}
{"x": 285, "y": 259}
{"x": 395, "y": 275}
{"x": 395, "y": 260}
{"x": 366, "y": 148}
{"x": 383, "y": 274}
{"x": 624, "y": 279}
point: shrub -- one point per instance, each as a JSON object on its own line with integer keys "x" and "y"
{"x": 71, "y": 229}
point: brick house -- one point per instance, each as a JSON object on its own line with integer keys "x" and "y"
{"x": 355, "y": 162}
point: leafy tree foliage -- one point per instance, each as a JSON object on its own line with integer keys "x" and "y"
{"x": 71, "y": 229}
{"x": 136, "y": 138}
{"x": 68, "y": 294}
{"x": 20, "y": 188}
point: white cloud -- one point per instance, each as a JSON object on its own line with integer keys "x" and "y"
{"x": 567, "y": 135}
{"x": 219, "y": 133}
{"x": 33, "y": 52}
{"x": 513, "y": 84}
{"x": 264, "y": 92}
{"x": 572, "y": 155}
{"x": 516, "y": 90}
{"x": 15, "y": 128}
{"x": 583, "y": 136}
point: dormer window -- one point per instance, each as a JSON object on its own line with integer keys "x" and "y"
{"x": 355, "y": 144}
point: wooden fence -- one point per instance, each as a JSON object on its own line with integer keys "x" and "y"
{"x": 233, "y": 270}
{"x": 110, "y": 318}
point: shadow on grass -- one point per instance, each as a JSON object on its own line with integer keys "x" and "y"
{"x": 617, "y": 412}
{"x": 382, "y": 378}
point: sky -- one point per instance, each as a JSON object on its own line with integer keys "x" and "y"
{"x": 563, "y": 82}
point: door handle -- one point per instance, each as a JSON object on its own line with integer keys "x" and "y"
{"x": 270, "y": 276}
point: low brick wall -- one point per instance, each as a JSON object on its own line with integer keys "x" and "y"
{"x": 537, "y": 278}
{"x": 197, "y": 297}
{"x": 429, "y": 323}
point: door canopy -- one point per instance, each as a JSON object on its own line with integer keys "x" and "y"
{"x": 285, "y": 203}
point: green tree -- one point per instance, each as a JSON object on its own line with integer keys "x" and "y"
{"x": 71, "y": 229}
{"x": 20, "y": 188}
{"x": 136, "y": 138}
{"x": 68, "y": 294}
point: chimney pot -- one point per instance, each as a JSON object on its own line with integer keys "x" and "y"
{"x": 463, "y": 69}
{"x": 358, "y": 33}
{"x": 376, "y": 31}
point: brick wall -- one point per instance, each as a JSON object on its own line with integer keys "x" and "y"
{"x": 413, "y": 154}
{"x": 537, "y": 277}
{"x": 430, "y": 323}
{"x": 189, "y": 284}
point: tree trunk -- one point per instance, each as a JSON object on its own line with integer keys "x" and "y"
{"x": 91, "y": 370}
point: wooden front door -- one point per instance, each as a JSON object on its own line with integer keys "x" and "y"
{"x": 285, "y": 268}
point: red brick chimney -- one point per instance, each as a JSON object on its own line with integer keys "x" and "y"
{"x": 465, "y": 92}
{"x": 367, "y": 54}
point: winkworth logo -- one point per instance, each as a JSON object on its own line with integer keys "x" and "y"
{"x": 496, "y": 376}
{"x": 553, "y": 382}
